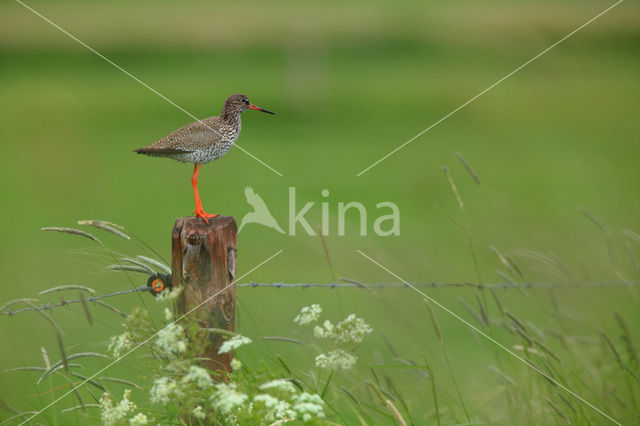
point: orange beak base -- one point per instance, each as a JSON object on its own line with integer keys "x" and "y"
{"x": 257, "y": 108}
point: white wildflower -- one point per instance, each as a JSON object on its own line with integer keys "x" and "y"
{"x": 138, "y": 419}
{"x": 233, "y": 343}
{"x": 308, "y": 314}
{"x": 171, "y": 341}
{"x": 226, "y": 398}
{"x": 351, "y": 330}
{"x": 168, "y": 315}
{"x": 169, "y": 295}
{"x": 276, "y": 409}
{"x": 162, "y": 389}
{"x": 120, "y": 343}
{"x": 279, "y": 384}
{"x": 112, "y": 414}
{"x": 308, "y": 406}
{"x": 198, "y": 413}
{"x": 236, "y": 364}
{"x": 325, "y": 331}
{"x": 200, "y": 376}
{"x": 336, "y": 360}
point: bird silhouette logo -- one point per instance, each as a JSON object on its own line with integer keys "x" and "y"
{"x": 260, "y": 213}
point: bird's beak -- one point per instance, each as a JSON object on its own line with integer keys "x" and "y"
{"x": 257, "y": 108}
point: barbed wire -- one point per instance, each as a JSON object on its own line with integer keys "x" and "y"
{"x": 306, "y": 285}
{"x": 373, "y": 286}
{"x": 50, "y": 306}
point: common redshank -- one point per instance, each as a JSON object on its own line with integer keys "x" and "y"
{"x": 204, "y": 141}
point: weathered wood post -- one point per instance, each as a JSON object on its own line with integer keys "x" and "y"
{"x": 203, "y": 261}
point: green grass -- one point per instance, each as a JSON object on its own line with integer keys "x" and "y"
{"x": 348, "y": 83}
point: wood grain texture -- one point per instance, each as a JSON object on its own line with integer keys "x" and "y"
{"x": 204, "y": 263}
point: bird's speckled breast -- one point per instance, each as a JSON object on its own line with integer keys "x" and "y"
{"x": 216, "y": 149}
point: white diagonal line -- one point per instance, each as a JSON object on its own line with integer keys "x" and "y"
{"x": 490, "y": 87}
{"x": 145, "y": 84}
{"x": 147, "y": 340}
{"x": 494, "y": 341}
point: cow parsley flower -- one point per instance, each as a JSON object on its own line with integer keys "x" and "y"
{"x": 138, "y": 419}
{"x": 279, "y": 384}
{"x": 308, "y": 314}
{"x": 324, "y": 331}
{"x": 198, "y": 375}
{"x": 112, "y": 414}
{"x": 336, "y": 360}
{"x": 162, "y": 389}
{"x": 168, "y": 315}
{"x": 276, "y": 409}
{"x": 171, "y": 341}
{"x": 169, "y": 295}
{"x": 226, "y": 398}
{"x": 120, "y": 344}
{"x": 351, "y": 330}
{"x": 198, "y": 413}
{"x": 308, "y": 406}
{"x": 137, "y": 327}
{"x": 236, "y": 364}
{"x": 233, "y": 343}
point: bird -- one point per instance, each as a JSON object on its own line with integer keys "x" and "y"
{"x": 260, "y": 213}
{"x": 203, "y": 141}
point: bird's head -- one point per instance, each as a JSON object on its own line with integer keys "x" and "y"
{"x": 238, "y": 103}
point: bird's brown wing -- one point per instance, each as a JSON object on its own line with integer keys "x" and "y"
{"x": 192, "y": 137}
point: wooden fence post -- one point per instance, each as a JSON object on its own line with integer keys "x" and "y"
{"x": 203, "y": 258}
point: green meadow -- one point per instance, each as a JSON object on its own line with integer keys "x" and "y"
{"x": 554, "y": 148}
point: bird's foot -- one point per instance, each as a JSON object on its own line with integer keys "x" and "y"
{"x": 204, "y": 215}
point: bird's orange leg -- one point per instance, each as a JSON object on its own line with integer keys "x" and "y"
{"x": 199, "y": 212}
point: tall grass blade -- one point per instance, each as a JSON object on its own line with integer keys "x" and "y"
{"x": 138, "y": 263}
{"x": 626, "y": 338}
{"x": 84, "y": 379}
{"x": 455, "y": 383}
{"x": 121, "y": 381}
{"x": 498, "y": 304}
{"x": 283, "y": 363}
{"x": 624, "y": 366}
{"x": 557, "y": 410}
{"x": 483, "y": 313}
{"x": 72, "y": 231}
{"x": 467, "y": 166}
{"x": 57, "y": 364}
{"x": 68, "y": 287}
{"x": 325, "y": 248}
{"x": 6, "y": 407}
{"x": 164, "y": 268}
{"x": 284, "y": 339}
{"x": 433, "y": 390}
{"x": 434, "y": 321}
{"x": 471, "y": 311}
{"x": 85, "y": 308}
{"x": 69, "y": 410}
{"x": 454, "y": 188}
{"x": 129, "y": 268}
{"x": 398, "y": 395}
{"x": 105, "y": 226}
{"x": 63, "y": 353}
{"x": 18, "y": 416}
{"x": 28, "y": 300}
{"x": 395, "y": 413}
{"x": 327, "y": 384}
{"x": 111, "y": 308}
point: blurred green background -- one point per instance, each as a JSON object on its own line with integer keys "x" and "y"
{"x": 349, "y": 82}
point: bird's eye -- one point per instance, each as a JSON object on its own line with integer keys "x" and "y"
{"x": 246, "y": 101}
